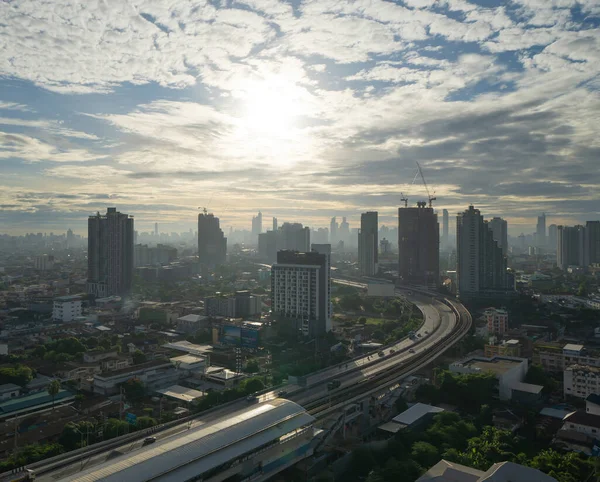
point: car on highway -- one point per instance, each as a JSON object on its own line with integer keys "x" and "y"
{"x": 282, "y": 393}
{"x": 149, "y": 440}
{"x": 382, "y": 354}
{"x": 411, "y": 351}
{"x": 392, "y": 351}
{"x": 252, "y": 399}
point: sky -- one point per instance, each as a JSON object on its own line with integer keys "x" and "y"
{"x": 301, "y": 109}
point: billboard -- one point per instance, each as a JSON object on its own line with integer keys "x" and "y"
{"x": 249, "y": 337}
{"x": 380, "y": 289}
{"x": 232, "y": 335}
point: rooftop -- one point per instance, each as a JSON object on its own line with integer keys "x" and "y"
{"x": 39, "y": 399}
{"x": 189, "y": 359}
{"x": 573, "y": 347}
{"x": 9, "y": 387}
{"x": 497, "y": 365}
{"x": 583, "y": 418}
{"x": 68, "y": 298}
{"x": 180, "y": 393}
{"x": 415, "y": 413}
{"x": 206, "y": 446}
{"x": 445, "y": 471}
{"x": 527, "y": 387}
{"x": 137, "y": 368}
{"x": 192, "y": 318}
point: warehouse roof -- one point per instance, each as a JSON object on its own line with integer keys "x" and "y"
{"x": 208, "y": 445}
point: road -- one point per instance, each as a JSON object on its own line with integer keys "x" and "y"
{"x": 439, "y": 322}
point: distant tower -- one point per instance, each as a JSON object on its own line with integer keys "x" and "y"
{"x": 445, "y": 231}
{"x": 274, "y": 223}
{"x": 368, "y": 244}
{"x": 257, "y": 224}
{"x": 499, "y": 229}
{"x": 156, "y": 229}
{"x": 333, "y": 231}
{"x": 418, "y": 245}
{"x": 212, "y": 243}
{"x": 110, "y": 254}
{"x": 540, "y": 231}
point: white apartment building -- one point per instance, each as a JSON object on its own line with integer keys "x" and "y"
{"x": 581, "y": 381}
{"x": 497, "y": 321}
{"x": 66, "y": 308}
{"x": 300, "y": 292}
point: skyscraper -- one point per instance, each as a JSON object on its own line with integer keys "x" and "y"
{"x": 592, "y": 243}
{"x": 540, "y": 232}
{"x": 570, "y": 246}
{"x": 294, "y": 237}
{"x": 212, "y": 243}
{"x": 325, "y": 248}
{"x": 300, "y": 293}
{"x": 110, "y": 254}
{"x": 344, "y": 231}
{"x": 418, "y": 245}
{"x": 552, "y": 237}
{"x": 445, "y": 232}
{"x": 156, "y": 229}
{"x": 499, "y": 229}
{"x": 274, "y": 223}
{"x": 481, "y": 266}
{"x": 368, "y": 244}
{"x": 333, "y": 231}
{"x": 257, "y": 224}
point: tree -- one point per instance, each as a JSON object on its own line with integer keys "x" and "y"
{"x": 70, "y": 437}
{"x": 425, "y": 454}
{"x": 253, "y": 385}
{"x": 53, "y": 388}
{"x": 114, "y": 427}
{"x": 146, "y": 422}
{"x": 19, "y": 375}
{"x": 134, "y": 390}
{"x": 138, "y": 357}
{"x": 252, "y": 367}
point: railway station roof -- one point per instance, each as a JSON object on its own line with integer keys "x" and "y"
{"x": 204, "y": 447}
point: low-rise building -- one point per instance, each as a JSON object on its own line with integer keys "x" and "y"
{"x": 509, "y": 371}
{"x": 497, "y": 321}
{"x": 581, "y": 381}
{"x": 412, "y": 417}
{"x": 192, "y": 323}
{"x": 9, "y": 390}
{"x": 556, "y": 357}
{"x": 504, "y": 348}
{"x": 154, "y": 374}
{"x": 66, "y": 308}
{"x": 445, "y": 471}
{"x": 193, "y": 364}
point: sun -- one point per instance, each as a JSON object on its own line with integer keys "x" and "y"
{"x": 271, "y": 107}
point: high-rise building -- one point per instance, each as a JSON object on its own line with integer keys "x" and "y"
{"x": 445, "y": 231}
{"x": 110, "y": 254}
{"x": 418, "y": 245}
{"x": 268, "y": 245}
{"x": 274, "y": 223}
{"x": 540, "y": 232}
{"x": 300, "y": 287}
{"x": 70, "y": 238}
{"x": 499, "y": 228}
{"x": 570, "y": 246}
{"x": 344, "y": 231}
{"x": 333, "y": 231}
{"x": 325, "y": 248}
{"x": 481, "y": 266}
{"x": 212, "y": 243}
{"x": 552, "y": 237}
{"x": 591, "y": 254}
{"x": 368, "y": 244}
{"x": 257, "y": 224}
{"x": 156, "y": 229}
{"x": 294, "y": 237}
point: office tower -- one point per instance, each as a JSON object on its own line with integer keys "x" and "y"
{"x": 212, "y": 243}
{"x": 344, "y": 231}
{"x": 333, "y": 231}
{"x": 481, "y": 266}
{"x": 156, "y": 229}
{"x": 368, "y": 244}
{"x": 268, "y": 245}
{"x": 540, "y": 232}
{"x": 110, "y": 254}
{"x": 325, "y": 248}
{"x": 70, "y": 238}
{"x": 418, "y": 245}
{"x": 300, "y": 293}
{"x": 592, "y": 243}
{"x": 257, "y": 224}
{"x": 274, "y": 224}
{"x": 295, "y": 237}
{"x": 552, "y": 237}
{"x": 500, "y": 232}
{"x": 445, "y": 232}
{"x": 570, "y": 246}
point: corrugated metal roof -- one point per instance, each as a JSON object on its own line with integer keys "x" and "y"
{"x": 416, "y": 412}
{"x": 205, "y": 447}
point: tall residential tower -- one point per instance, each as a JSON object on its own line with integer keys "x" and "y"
{"x": 212, "y": 243}
{"x": 368, "y": 244}
{"x": 110, "y": 254}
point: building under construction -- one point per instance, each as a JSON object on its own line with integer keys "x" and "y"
{"x": 418, "y": 245}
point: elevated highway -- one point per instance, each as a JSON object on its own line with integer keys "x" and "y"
{"x": 445, "y": 322}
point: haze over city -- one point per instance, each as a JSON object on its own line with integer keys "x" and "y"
{"x": 303, "y": 110}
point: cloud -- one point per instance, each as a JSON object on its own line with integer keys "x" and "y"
{"x": 31, "y": 149}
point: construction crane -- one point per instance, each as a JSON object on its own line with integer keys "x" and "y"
{"x": 405, "y": 199}
{"x": 431, "y": 197}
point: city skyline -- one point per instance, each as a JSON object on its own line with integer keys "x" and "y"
{"x": 280, "y": 107}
